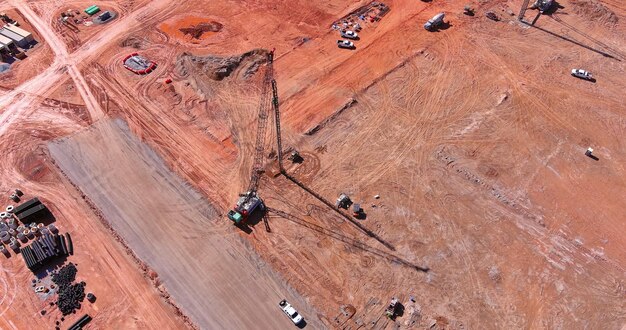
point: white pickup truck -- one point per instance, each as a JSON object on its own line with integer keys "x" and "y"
{"x": 291, "y": 312}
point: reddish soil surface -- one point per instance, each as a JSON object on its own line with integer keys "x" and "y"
{"x": 181, "y": 28}
{"x": 473, "y": 136}
{"x": 75, "y": 35}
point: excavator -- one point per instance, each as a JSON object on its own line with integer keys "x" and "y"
{"x": 250, "y": 201}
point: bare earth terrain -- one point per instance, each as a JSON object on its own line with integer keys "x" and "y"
{"x": 203, "y": 264}
{"x": 490, "y": 215}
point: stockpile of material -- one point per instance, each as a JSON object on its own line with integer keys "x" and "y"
{"x": 70, "y": 294}
{"x": 31, "y": 210}
{"x": 45, "y": 248}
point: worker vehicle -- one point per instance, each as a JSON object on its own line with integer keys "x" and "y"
{"x": 343, "y": 201}
{"x": 434, "y": 22}
{"x": 291, "y": 312}
{"x": 393, "y": 308}
{"x": 357, "y": 211}
{"x": 349, "y": 34}
{"x": 345, "y": 44}
{"x": 582, "y": 74}
{"x": 246, "y": 204}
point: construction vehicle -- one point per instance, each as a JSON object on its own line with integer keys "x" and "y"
{"x": 392, "y": 310}
{"x": 542, "y": 5}
{"x": 250, "y": 201}
{"x": 246, "y": 204}
{"x": 295, "y": 157}
{"x": 343, "y": 201}
{"x": 434, "y": 22}
{"x": 291, "y": 312}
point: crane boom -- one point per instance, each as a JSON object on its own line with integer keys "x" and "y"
{"x": 259, "y": 147}
{"x": 277, "y": 121}
{"x": 250, "y": 201}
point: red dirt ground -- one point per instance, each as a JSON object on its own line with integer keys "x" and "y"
{"x": 473, "y": 136}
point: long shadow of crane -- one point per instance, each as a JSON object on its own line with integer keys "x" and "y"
{"x": 302, "y": 185}
{"x": 347, "y": 240}
{"x": 550, "y": 13}
{"x": 338, "y": 211}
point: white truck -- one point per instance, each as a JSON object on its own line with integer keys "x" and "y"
{"x": 291, "y": 312}
{"x": 434, "y": 22}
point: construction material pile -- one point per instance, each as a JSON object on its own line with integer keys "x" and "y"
{"x": 44, "y": 249}
{"x": 219, "y": 67}
{"x": 70, "y": 295}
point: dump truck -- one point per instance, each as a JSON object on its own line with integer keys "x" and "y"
{"x": 434, "y": 22}
{"x": 246, "y": 205}
{"x": 291, "y": 312}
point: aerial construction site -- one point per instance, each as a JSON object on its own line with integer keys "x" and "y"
{"x": 313, "y": 164}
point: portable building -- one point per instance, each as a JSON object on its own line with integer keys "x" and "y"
{"x": 5, "y": 41}
{"x": 20, "y": 31}
{"x": 92, "y": 10}
{"x": 17, "y": 39}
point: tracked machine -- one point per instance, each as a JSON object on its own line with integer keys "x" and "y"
{"x": 249, "y": 202}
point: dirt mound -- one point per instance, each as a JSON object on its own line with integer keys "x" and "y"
{"x": 219, "y": 67}
{"x": 196, "y": 31}
{"x": 134, "y": 42}
{"x": 595, "y": 11}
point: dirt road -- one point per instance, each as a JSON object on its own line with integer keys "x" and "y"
{"x": 473, "y": 136}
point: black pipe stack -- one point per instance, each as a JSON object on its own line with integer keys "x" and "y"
{"x": 69, "y": 243}
{"x": 44, "y": 249}
{"x": 80, "y": 323}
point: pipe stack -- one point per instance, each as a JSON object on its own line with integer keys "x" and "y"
{"x": 80, "y": 323}
{"x": 42, "y": 250}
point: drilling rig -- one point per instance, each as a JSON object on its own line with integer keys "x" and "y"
{"x": 250, "y": 201}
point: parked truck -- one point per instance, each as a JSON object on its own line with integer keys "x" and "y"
{"x": 291, "y": 312}
{"x": 434, "y": 22}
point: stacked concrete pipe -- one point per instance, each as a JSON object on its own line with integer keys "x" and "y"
{"x": 5, "y": 237}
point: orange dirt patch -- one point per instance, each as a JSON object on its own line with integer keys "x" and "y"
{"x": 191, "y": 29}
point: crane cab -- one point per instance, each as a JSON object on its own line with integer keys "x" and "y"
{"x": 246, "y": 205}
